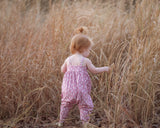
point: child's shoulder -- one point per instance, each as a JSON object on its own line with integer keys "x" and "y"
{"x": 69, "y": 58}
{"x": 66, "y": 60}
{"x": 87, "y": 60}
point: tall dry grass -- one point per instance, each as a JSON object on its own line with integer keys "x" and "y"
{"x": 34, "y": 45}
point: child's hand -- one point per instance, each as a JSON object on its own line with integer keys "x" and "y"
{"x": 111, "y": 67}
{"x": 106, "y": 69}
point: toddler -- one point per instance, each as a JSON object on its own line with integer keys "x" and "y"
{"x": 76, "y": 85}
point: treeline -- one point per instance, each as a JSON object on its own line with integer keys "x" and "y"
{"x": 45, "y": 5}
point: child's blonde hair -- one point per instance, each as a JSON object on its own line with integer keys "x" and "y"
{"x": 80, "y": 41}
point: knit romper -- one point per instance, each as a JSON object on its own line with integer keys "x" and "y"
{"x": 76, "y": 88}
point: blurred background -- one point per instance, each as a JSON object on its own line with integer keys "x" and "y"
{"x": 34, "y": 42}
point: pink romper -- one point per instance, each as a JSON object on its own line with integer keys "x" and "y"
{"x": 76, "y": 88}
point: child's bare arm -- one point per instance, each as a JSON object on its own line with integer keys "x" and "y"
{"x": 64, "y": 67}
{"x": 94, "y": 69}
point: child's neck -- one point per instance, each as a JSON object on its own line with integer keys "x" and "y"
{"x": 77, "y": 53}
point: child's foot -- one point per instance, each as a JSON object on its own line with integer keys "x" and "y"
{"x": 88, "y": 125}
{"x": 59, "y": 124}
{"x": 85, "y": 124}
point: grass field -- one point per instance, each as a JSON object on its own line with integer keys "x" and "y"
{"x": 34, "y": 44}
